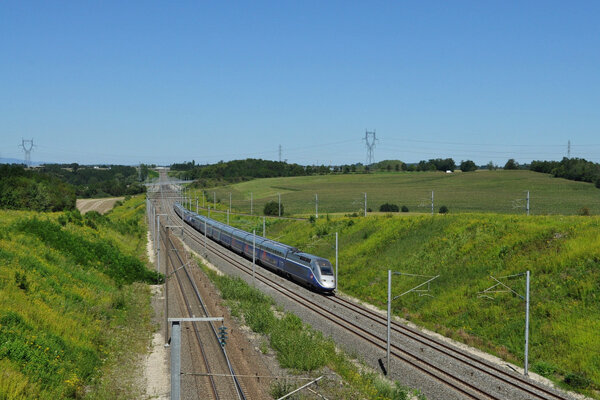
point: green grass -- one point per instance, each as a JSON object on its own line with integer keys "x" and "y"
{"x": 300, "y": 348}
{"x": 69, "y": 303}
{"x": 481, "y": 191}
{"x": 562, "y": 253}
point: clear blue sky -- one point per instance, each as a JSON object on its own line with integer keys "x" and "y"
{"x": 162, "y": 82}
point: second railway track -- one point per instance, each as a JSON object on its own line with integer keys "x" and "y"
{"x": 213, "y": 356}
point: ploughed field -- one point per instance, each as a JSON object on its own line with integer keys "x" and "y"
{"x": 481, "y": 191}
{"x": 100, "y": 205}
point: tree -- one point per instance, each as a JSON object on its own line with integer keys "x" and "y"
{"x": 511, "y": 164}
{"x": 387, "y": 207}
{"x": 443, "y": 210}
{"x": 491, "y": 166}
{"x": 467, "y": 166}
{"x": 272, "y": 208}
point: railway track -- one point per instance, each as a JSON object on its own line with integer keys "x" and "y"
{"x": 493, "y": 382}
{"x": 529, "y": 387}
{"x": 207, "y": 357}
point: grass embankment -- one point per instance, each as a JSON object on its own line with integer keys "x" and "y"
{"x": 481, "y": 191}
{"x": 299, "y": 347}
{"x": 562, "y": 253}
{"x": 72, "y": 310}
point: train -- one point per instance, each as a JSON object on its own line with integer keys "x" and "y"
{"x": 312, "y": 271}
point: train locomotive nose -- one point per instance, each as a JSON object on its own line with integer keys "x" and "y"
{"x": 328, "y": 283}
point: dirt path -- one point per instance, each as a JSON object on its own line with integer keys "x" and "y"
{"x": 100, "y": 205}
{"x": 155, "y": 377}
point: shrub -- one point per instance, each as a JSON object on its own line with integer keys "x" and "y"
{"x": 62, "y": 220}
{"x": 543, "y": 368}
{"x": 404, "y": 209}
{"x": 281, "y": 388}
{"x": 577, "y": 381}
{"x": 443, "y": 210}
{"x": 584, "y": 211}
{"x": 21, "y": 281}
{"x": 387, "y": 207}
{"x": 272, "y": 208}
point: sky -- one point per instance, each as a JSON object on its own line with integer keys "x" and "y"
{"x": 124, "y": 82}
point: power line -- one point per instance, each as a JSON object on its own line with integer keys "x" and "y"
{"x": 476, "y": 144}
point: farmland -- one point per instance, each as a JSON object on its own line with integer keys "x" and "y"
{"x": 486, "y": 233}
{"x": 481, "y": 191}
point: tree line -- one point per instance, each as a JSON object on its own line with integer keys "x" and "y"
{"x": 100, "y": 181}
{"x": 241, "y": 170}
{"x": 576, "y": 169}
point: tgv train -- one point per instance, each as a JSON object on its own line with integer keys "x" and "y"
{"x": 307, "y": 269}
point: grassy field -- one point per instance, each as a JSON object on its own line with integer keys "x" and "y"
{"x": 481, "y": 191}
{"x": 73, "y": 307}
{"x": 562, "y": 253}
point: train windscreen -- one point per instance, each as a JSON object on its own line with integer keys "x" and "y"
{"x": 325, "y": 267}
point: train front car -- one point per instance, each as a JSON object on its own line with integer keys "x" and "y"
{"x": 323, "y": 272}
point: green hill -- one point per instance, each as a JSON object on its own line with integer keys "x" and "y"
{"x": 69, "y": 301}
{"x": 562, "y": 253}
{"x": 481, "y": 191}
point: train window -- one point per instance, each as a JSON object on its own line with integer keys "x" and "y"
{"x": 325, "y": 266}
{"x": 305, "y": 259}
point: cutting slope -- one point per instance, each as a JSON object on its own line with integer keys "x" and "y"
{"x": 562, "y": 253}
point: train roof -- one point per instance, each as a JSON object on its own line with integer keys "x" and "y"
{"x": 259, "y": 239}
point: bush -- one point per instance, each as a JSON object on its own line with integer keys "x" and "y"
{"x": 272, "y": 208}
{"x": 387, "y": 207}
{"x": 544, "y": 368}
{"x": 443, "y": 210}
{"x": 467, "y": 166}
{"x": 584, "y": 211}
{"x": 577, "y": 381}
{"x": 404, "y": 209}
